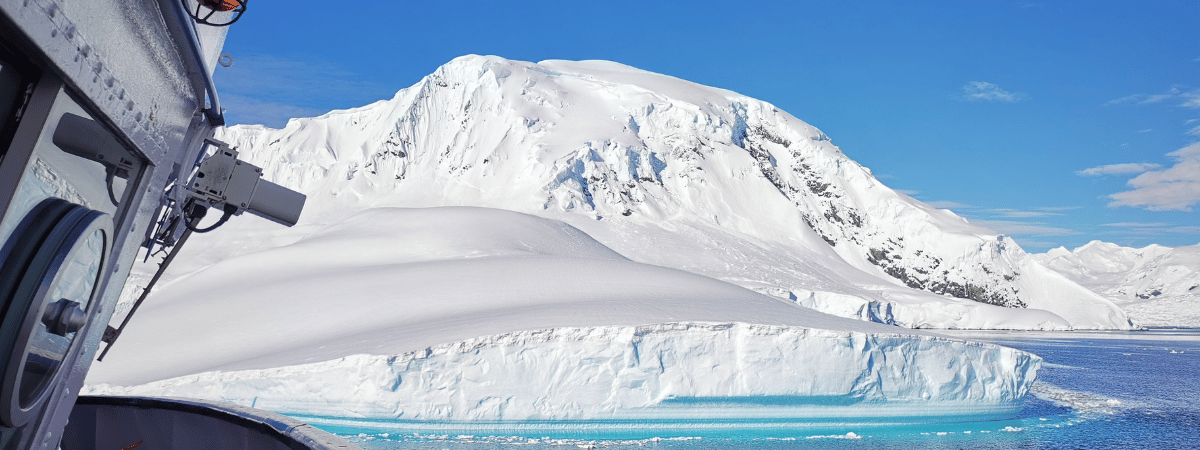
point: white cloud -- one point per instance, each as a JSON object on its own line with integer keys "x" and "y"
{"x": 1189, "y": 99}
{"x": 1174, "y": 189}
{"x": 1146, "y": 130}
{"x": 1014, "y": 227}
{"x": 982, "y": 90}
{"x": 241, "y": 109}
{"x": 1118, "y": 169}
{"x": 1015, "y": 214}
{"x": 907, "y": 192}
{"x": 1194, "y": 131}
{"x": 946, "y": 205}
{"x": 1136, "y": 224}
{"x": 1151, "y": 229}
{"x": 273, "y": 89}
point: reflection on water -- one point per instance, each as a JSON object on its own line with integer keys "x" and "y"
{"x": 1096, "y": 390}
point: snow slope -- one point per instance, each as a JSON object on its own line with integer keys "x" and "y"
{"x": 1155, "y": 285}
{"x": 477, "y": 314}
{"x": 671, "y": 173}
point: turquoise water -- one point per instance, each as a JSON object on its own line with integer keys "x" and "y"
{"x": 1096, "y": 390}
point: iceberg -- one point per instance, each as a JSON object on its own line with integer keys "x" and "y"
{"x": 473, "y": 315}
{"x": 661, "y": 372}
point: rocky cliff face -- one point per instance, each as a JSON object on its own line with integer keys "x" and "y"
{"x": 641, "y": 160}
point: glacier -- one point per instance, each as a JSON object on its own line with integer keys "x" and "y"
{"x": 1155, "y": 285}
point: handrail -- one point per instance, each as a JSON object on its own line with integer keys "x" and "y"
{"x": 215, "y": 116}
{"x": 188, "y": 424}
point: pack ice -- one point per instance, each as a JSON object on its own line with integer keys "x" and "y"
{"x": 473, "y": 315}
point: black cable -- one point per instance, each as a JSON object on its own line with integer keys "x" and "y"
{"x": 199, "y": 211}
{"x": 109, "y": 176}
{"x": 111, "y": 334}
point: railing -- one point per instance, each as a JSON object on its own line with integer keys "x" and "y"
{"x": 186, "y": 424}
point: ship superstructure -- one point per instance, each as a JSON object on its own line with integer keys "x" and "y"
{"x": 107, "y": 109}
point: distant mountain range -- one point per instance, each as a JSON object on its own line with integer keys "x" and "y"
{"x": 1156, "y": 285}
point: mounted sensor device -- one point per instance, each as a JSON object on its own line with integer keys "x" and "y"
{"x": 220, "y": 181}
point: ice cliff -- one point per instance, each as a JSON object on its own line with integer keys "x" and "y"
{"x": 478, "y": 314}
{"x": 672, "y": 371}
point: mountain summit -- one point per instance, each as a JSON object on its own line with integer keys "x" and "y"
{"x": 672, "y": 173}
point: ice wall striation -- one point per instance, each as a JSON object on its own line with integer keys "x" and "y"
{"x": 670, "y": 371}
{"x": 619, "y": 152}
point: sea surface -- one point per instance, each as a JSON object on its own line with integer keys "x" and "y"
{"x": 1136, "y": 389}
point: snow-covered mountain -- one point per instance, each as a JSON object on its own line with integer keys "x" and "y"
{"x": 672, "y": 173}
{"x": 587, "y": 241}
{"x": 1155, "y": 285}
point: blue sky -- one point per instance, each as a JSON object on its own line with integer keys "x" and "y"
{"x": 1053, "y": 122}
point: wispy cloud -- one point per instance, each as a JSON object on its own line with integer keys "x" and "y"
{"x": 270, "y": 89}
{"x": 1188, "y": 99}
{"x": 1118, "y": 169}
{"x": 248, "y": 110}
{"x": 946, "y": 205}
{"x": 1136, "y": 224}
{"x": 1194, "y": 131}
{"x": 1149, "y": 229}
{"x": 1191, "y": 99}
{"x": 1146, "y": 130}
{"x": 1018, "y": 214}
{"x": 1014, "y": 227}
{"x": 908, "y": 192}
{"x": 1174, "y": 189}
{"x": 984, "y": 91}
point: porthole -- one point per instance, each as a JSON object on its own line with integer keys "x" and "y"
{"x": 51, "y": 270}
